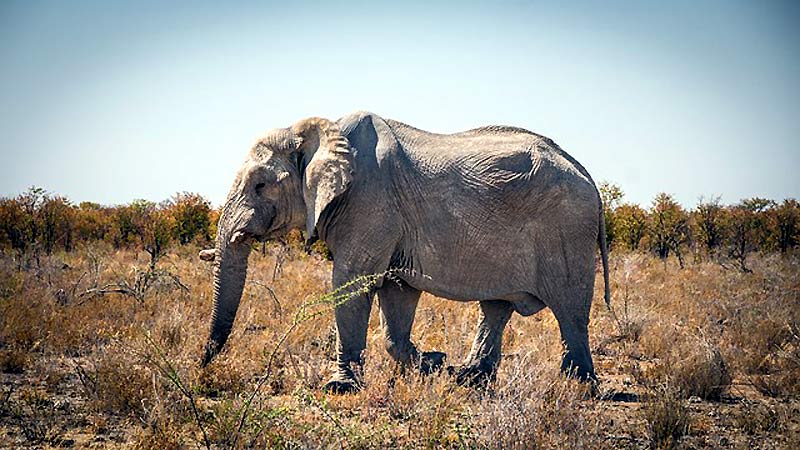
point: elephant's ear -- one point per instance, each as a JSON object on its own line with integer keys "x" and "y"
{"x": 328, "y": 166}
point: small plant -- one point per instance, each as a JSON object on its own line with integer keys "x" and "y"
{"x": 37, "y": 416}
{"x": 13, "y": 361}
{"x": 162, "y": 434}
{"x": 629, "y": 326}
{"x": 756, "y": 418}
{"x": 535, "y": 408}
{"x": 116, "y": 382}
{"x": 780, "y": 367}
{"x": 5, "y": 401}
{"x": 142, "y": 282}
{"x": 702, "y": 374}
{"x": 160, "y": 361}
{"x": 667, "y": 417}
{"x": 305, "y": 398}
{"x": 695, "y": 368}
{"x": 310, "y": 310}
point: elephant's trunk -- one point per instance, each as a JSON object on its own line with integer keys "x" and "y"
{"x": 230, "y": 270}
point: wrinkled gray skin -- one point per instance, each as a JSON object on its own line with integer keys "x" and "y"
{"x": 497, "y": 215}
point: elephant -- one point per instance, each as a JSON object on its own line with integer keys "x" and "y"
{"x": 498, "y": 215}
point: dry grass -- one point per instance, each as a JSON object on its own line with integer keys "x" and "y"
{"x": 107, "y": 370}
{"x": 668, "y": 418}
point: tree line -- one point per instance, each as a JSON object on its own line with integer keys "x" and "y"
{"x": 38, "y": 222}
{"x": 710, "y": 229}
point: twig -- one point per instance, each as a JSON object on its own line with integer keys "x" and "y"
{"x": 271, "y": 294}
{"x": 309, "y": 399}
{"x": 171, "y": 374}
{"x": 177, "y": 282}
{"x": 107, "y": 289}
{"x": 77, "y": 283}
{"x": 278, "y": 263}
{"x": 330, "y": 301}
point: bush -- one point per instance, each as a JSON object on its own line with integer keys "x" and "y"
{"x": 748, "y": 230}
{"x": 703, "y": 373}
{"x": 630, "y": 222}
{"x": 667, "y": 417}
{"x": 13, "y": 361}
{"x": 117, "y": 382}
{"x": 758, "y": 418}
{"x": 693, "y": 368}
{"x": 151, "y": 226}
{"x": 93, "y": 222}
{"x": 784, "y": 225}
{"x": 668, "y": 227}
{"x": 190, "y": 215}
{"x": 611, "y": 195}
{"x": 710, "y": 220}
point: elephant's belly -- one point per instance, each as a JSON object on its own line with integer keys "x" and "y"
{"x": 525, "y": 302}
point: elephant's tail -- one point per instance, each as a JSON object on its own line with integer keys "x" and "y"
{"x": 601, "y": 240}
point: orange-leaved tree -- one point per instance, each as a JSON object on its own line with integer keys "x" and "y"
{"x": 190, "y": 217}
{"x": 611, "y": 195}
{"x": 710, "y": 219}
{"x": 784, "y": 225}
{"x": 630, "y": 223}
{"x": 747, "y": 225}
{"x": 150, "y": 225}
{"x": 668, "y": 228}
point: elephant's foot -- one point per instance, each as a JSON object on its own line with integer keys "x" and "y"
{"x": 584, "y": 372}
{"x": 431, "y": 362}
{"x": 480, "y": 374}
{"x": 346, "y": 379}
{"x": 586, "y": 376}
{"x": 341, "y": 387}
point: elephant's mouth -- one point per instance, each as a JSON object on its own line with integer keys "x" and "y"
{"x": 276, "y": 229}
{"x": 248, "y": 235}
{"x": 270, "y": 227}
{"x": 241, "y": 237}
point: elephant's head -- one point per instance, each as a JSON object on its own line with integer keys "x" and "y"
{"x": 290, "y": 176}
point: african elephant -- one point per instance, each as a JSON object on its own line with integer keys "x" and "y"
{"x": 498, "y": 215}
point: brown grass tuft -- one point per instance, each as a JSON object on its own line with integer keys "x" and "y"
{"x": 117, "y": 381}
{"x": 704, "y": 374}
{"x": 667, "y": 417}
{"x": 14, "y": 361}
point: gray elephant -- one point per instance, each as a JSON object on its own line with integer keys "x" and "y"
{"x": 498, "y": 215}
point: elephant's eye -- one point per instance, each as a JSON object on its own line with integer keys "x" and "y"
{"x": 259, "y": 187}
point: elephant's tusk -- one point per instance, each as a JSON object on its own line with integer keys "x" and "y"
{"x": 237, "y": 236}
{"x": 208, "y": 254}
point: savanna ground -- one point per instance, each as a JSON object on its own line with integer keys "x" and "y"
{"x": 98, "y": 351}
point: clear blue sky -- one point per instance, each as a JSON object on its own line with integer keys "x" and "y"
{"x": 111, "y": 101}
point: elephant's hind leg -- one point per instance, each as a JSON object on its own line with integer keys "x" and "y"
{"x": 481, "y": 365}
{"x": 398, "y": 304}
{"x": 572, "y": 314}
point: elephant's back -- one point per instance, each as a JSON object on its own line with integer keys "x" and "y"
{"x": 480, "y": 147}
{"x": 498, "y": 178}
{"x": 496, "y": 162}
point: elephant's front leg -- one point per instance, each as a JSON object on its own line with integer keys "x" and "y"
{"x": 481, "y": 365}
{"x": 352, "y": 319}
{"x": 398, "y": 303}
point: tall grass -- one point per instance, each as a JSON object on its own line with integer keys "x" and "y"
{"x": 711, "y": 333}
